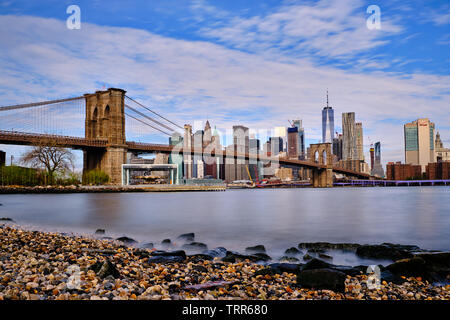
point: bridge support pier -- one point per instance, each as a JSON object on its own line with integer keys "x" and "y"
{"x": 105, "y": 120}
{"x": 321, "y": 153}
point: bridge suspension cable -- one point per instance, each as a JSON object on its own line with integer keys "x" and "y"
{"x": 37, "y": 104}
{"x": 148, "y": 109}
{"x": 147, "y": 124}
{"x": 149, "y": 118}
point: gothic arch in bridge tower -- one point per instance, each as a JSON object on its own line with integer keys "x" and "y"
{"x": 105, "y": 120}
{"x": 322, "y": 176}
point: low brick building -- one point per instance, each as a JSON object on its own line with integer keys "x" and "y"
{"x": 400, "y": 171}
{"x": 438, "y": 170}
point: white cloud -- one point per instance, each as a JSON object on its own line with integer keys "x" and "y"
{"x": 191, "y": 80}
{"x": 328, "y": 28}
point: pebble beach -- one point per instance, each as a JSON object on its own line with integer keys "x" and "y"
{"x": 52, "y": 266}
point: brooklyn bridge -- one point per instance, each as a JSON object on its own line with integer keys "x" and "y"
{"x": 108, "y": 114}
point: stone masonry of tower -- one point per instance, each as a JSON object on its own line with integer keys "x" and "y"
{"x": 105, "y": 120}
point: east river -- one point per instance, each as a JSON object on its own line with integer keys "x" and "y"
{"x": 235, "y": 219}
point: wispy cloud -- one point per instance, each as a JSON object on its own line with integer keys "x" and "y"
{"x": 335, "y": 29}
{"x": 189, "y": 80}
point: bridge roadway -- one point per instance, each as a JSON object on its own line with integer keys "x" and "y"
{"x": 23, "y": 138}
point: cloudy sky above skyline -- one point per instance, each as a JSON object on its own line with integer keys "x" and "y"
{"x": 255, "y": 63}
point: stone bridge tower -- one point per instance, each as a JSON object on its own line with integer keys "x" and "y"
{"x": 321, "y": 154}
{"x": 105, "y": 120}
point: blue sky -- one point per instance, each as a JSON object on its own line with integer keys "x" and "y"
{"x": 256, "y": 63}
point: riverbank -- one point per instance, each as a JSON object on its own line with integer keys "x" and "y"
{"x": 107, "y": 189}
{"x": 51, "y": 266}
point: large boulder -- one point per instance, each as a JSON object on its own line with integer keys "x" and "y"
{"x": 292, "y": 252}
{"x": 195, "y": 246}
{"x": 256, "y": 249}
{"x": 127, "y": 240}
{"x": 188, "y": 237}
{"x": 411, "y": 267}
{"x": 319, "y": 279}
{"x": 218, "y": 252}
{"x": 176, "y": 253}
{"x": 385, "y": 251}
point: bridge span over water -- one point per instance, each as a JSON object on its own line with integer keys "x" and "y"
{"x": 105, "y": 145}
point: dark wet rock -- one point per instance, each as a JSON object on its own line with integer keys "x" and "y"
{"x": 307, "y": 257}
{"x": 6, "y": 219}
{"x": 141, "y": 253}
{"x": 316, "y": 264}
{"x": 148, "y": 245}
{"x": 289, "y": 259}
{"x": 105, "y": 269}
{"x": 199, "y": 268}
{"x": 127, "y": 240}
{"x": 328, "y": 246}
{"x": 218, "y": 252}
{"x": 199, "y": 246}
{"x": 278, "y": 268}
{"x": 325, "y": 256}
{"x": 166, "y": 242}
{"x": 291, "y": 252}
{"x": 386, "y": 251}
{"x": 255, "y": 249}
{"x": 316, "y": 250}
{"x": 164, "y": 259}
{"x": 430, "y": 266}
{"x": 199, "y": 257}
{"x": 262, "y": 257}
{"x": 412, "y": 267}
{"x": 176, "y": 253}
{"x": 187, "y": 237}
{"x": 388, "y": 276}
{"x": 233, "y": 256}
{"x": 322, "y": 279}
{"x": 351, "y": 271}
{"x": 100, "y": 231}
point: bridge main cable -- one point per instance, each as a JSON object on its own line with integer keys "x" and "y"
{"x": 37, "y": 104}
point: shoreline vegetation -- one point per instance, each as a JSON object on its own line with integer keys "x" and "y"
{"x": 38, "y": 265}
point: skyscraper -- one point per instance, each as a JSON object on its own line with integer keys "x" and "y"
{"x": 377, "y": 168}
{"x": 349, "y": 151}
{"x": 292, "y": 150}
{"x": 337, "y": 146}
{"x": 359, "y": 141}
{"x": 327, "y": 123}
{"x": 301, "y": 139}
{"x": 419, "y": 142}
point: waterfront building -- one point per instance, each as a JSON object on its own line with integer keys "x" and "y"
{"x": 337, "y": 146}
{"x": 442, "y": 154}
{"x": 187, "y": 156}
{"x": 419, "y": 142}
{"x": 276, "y": 145}
{"x": 349, "y": 151}
{"x": 327, "y": 123}
{"x": 177, "y": 158}
{"x": 292, "y": 149}
{"x": 301, "y": 139}
{"x": 400, "y": 171}
{"x": 377, "y": 168}
{"x": 372, "y": 156}
{"x": 198, "y": 158}
{"x": 359, "y": 141}
{"x": 281, "y": 132}
{"x": 438, "y": 170}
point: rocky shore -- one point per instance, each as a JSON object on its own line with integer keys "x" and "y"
{"x": 51, "y": 266}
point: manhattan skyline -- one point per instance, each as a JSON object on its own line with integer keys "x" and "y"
{"x": 203, "y": 64}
